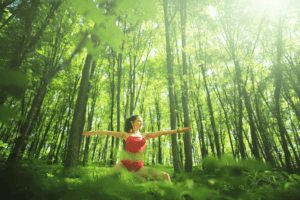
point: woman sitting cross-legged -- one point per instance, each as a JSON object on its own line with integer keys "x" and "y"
{"x": 135, "y": 146}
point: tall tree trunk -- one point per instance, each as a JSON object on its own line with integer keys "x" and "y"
{"x": 158, "y": 115}
{"x": 201, "y": 135}
{"x": 59, "y": 144}
{"x": 176, "y": 161}
{"x": 240, "y": 129}
{"x": 185, "y": 92}
{"x": 40, "y": 125}
{"x": 55, "y": 138}
{"x": 278, "y": 80}
{"x": 91, "y": 113}
{"x": 120, "y": 68}
{"x": 78, "y": 122}
{"x": 30, "y": 129}
{"x": 112, "y": 89}
{"x": 37, "y": 154}
{"x": 104, "y": 151}
{"x": 282, "y": 130}
{"x": 289, "y": 99}
{"x": 226, "y": 118}
{"x": 35, "y": 106}
{"x": 211, "y": 112}
{"x": 198, "y": 125}
{"x": 252, "y": 125}
{"x": 260, "y": 128}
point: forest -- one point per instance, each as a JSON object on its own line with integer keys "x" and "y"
{"x": 230, "y": 69}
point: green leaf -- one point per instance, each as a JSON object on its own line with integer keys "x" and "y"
{"x": 7, "y": 113}
{"x": 12, "y": 77}
{"x": 287, "y": 185}
{"x": 13, "y": 82}
{"x": 3, "y": 144}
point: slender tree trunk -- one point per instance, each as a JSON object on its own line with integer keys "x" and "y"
{"x": 201, "y": 135}
{"x": 36, "y": 104}
{"x": 278, "y": 82}
{"x": 46, "y": 133}
{"x": 176, "y": 160}
{"x": 211, "y": 112}
{"x": 39, "y": 127}
{"x": 55, "y": 138}
{"x": 95, "y": 145}
{"x": 203, "y": 151}
{"x": 252, "y": 125}
{"x": 296, "y": 88}
{"x": 78, "y": 122}
{"x": 289, "y": 99}
{"x": 158, "y": 115}
{"x": 240, "y": 129}
{"x": 185, "y": 92}
{"x": 120, "y": 68}
{"x": 104, "y": 151}
{"x": 90, "y": 114}
{"x": 112, "y": 89}
{"x": 261, "y": 130}
{"x": 226, "y": 119}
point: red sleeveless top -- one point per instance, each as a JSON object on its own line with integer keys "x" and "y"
{"x": 134, "y": 145}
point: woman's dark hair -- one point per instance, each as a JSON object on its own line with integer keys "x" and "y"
{"x": 128, "y": 124}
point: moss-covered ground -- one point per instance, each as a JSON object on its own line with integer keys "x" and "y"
{"x": 225, "y": 179}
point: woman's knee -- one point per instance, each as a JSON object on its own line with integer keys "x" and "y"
{"x": 166, "y": 176}
{"x": 118, "y": 166}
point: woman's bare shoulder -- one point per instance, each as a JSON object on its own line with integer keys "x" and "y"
{"x": 145, "y": 135}
{"x": 126, "y": 135}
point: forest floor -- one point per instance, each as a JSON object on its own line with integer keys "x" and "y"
{"x": 35, "y": 179}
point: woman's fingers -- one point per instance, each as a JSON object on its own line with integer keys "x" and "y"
{"x": 187, "y": 129}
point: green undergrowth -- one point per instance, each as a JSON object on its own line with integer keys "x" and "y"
{"x": 220, "y": 179}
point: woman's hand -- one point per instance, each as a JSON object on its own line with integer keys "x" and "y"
{"x": 86, "y": 133}
{"x": 185, "y": 129}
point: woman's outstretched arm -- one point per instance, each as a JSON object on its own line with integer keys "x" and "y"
{"x": 111, "y": 133}
{"x": 159, "y": 133}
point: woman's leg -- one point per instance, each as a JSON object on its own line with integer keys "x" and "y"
{"x": 166, "y": 176}
{"x": 145, "y": 171}
{"x": 117, "y": 168}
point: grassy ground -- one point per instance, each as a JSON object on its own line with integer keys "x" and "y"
{"x": 224, "y": 179}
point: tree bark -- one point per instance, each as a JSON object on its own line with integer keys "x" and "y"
{"x": 204, "y": 152}
{"x": 278, "y": 81}
{"x": 260, "y": 128}
{"x": 176, "y": 160}
{"x": 158, "y": 116}
{"x": 91, "y": 113}
{"x": 78, "y": 122}
{"x": 211, "y": 112}
{"x": 37, "y": 154}
{"x": 185, "y": 92}
{"x": 252, "y": 125}
{"x": 36, "y": 104}
{"x": 112, "y": 89}
{"x": 226, "y": 118}
{"x": 240, "y": 129}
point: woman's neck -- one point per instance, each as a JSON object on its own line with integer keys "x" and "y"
{"x": 136, "y": 132}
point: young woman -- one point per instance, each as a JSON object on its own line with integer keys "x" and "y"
{"x": 135, "y": 146}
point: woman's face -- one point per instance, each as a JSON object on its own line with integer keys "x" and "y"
{"x": 137, "y": 124}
